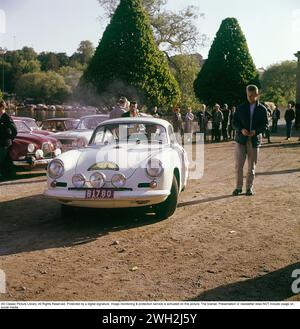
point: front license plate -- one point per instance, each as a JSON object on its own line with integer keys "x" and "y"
{"x": 99, "y": 194}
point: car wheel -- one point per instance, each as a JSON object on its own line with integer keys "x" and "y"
{"x": 167, "y": 208}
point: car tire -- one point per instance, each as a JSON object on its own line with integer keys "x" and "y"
{"x": 167, "y": 208}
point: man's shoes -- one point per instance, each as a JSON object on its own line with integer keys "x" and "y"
{"x": 250, "y": 192}
{"x": 237, "y": 192}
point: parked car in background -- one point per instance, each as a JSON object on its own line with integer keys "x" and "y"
{"x": 80, "y": 137}
{"x": 32, "y": 150}
{"x": 32, "y": 125}
{"x": 59, "y": 124}
{"x": 129, "y": 163}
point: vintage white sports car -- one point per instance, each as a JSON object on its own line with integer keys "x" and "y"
{"x": 129, "y": 163}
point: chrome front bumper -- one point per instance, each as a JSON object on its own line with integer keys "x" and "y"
{"x": 32, "y": 162}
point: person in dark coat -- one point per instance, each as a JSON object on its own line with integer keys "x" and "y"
{"x": 275, "y": 119}
{"x": 231, "y": 130}
{"x": 249, "y": 121}
{"x": 297, "y": 122}
{"x": 8, "y": 132}
{"x": 217, "y": 119}
{"x": 289, "y": 118}
{"x": 225, "y": 122}
{"x": 156, "y": 113}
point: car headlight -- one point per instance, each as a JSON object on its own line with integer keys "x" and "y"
{"x": 59, "y": 145}
{"x": 154, "y": 168}
{"x": 57, "y": 152}
{"x": 97, "y": 180}
{"x": 78, "y": 181}
{"x": 56, "y": 169}
{"x": 31, "y": 148}
{"x": 118, "y": 180}
{"x": 39, "y": 154}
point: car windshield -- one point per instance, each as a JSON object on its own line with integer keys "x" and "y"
{"x": 21, "y": 127}
{"x": 58, "y": 125}
{"x": 71, "y": 124}
{"x": 31, "y": 124}
{"x": 91, "y": 122}
{"x": 130, "y": 133}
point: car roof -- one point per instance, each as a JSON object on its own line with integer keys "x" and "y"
{"x": 22, "y": 118}
{"x": 60, "y": 119}
{"x": 95, "y": 116}
{"x": 138, "y": 120}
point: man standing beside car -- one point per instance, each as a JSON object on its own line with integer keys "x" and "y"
{"x": 249, "y": 121}
{"x": 8, "y": 132}
{"x": 133, "y": 111}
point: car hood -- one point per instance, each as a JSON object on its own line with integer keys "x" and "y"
{"x": 35, "y": 138}
{"x": 43, "y": 132}
{"x": 74, "y": 134}
{"x": 128, "y": 158}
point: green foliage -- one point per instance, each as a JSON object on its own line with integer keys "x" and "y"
{"x": 279, "y": 83}
{"x": 228, "y": 69}
{"x": 49, "y": 61}
{"x": 44, "y": 87}
{"x": 185, "y": 69}
{"x": 128, "y": 58}
{"x": 18, "y": 63}
{"x": 71, "y": 76}
{"x": 173, "y": 31}
{"x": 1, "y": 95}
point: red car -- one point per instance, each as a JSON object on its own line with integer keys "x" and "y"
{"x": 32, "y": 125}
{"x": 32, "y": 150}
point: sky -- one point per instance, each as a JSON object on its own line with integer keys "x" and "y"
{"x": 271, "y": 27}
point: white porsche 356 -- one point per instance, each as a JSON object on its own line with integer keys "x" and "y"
{"x": 129, "y": 163}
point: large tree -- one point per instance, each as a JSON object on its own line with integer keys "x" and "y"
{"x": 279, "y": 83}
{"x": 228, "y": 69}
{"x": 185, "y": 69}
{"x": 48, "y": 87}
{"x": 128, "y": 62}
{"x": 173, "y": 31}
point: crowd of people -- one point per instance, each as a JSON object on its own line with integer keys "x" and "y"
{"x": 217, "y": 121}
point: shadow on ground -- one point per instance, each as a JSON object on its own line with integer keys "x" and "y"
{"x": 275, "y": 286}
{"x": 35, "y": 223}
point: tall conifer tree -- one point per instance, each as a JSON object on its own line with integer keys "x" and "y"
{"x": 127, "y": 60}
{"x": 228, "y": 69}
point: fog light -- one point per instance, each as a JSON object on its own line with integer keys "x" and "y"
{"x": 39, "y": 154}
{"x": 53, "y": 184}
{"x": 153, "y": 184}
{"x": 57, "y": 152}
{"x": 118, "y": 180}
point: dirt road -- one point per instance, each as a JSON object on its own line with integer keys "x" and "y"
{"x": 216, "y": 247}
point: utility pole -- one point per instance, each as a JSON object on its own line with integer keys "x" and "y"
{"x": 3, "y": 52}
{"x": 298, "y": 80}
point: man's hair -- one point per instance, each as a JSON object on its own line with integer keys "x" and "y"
{"x": 133, "y": 102}
{"x": 2, "y": 104}
{"x": 252, "y": 88}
